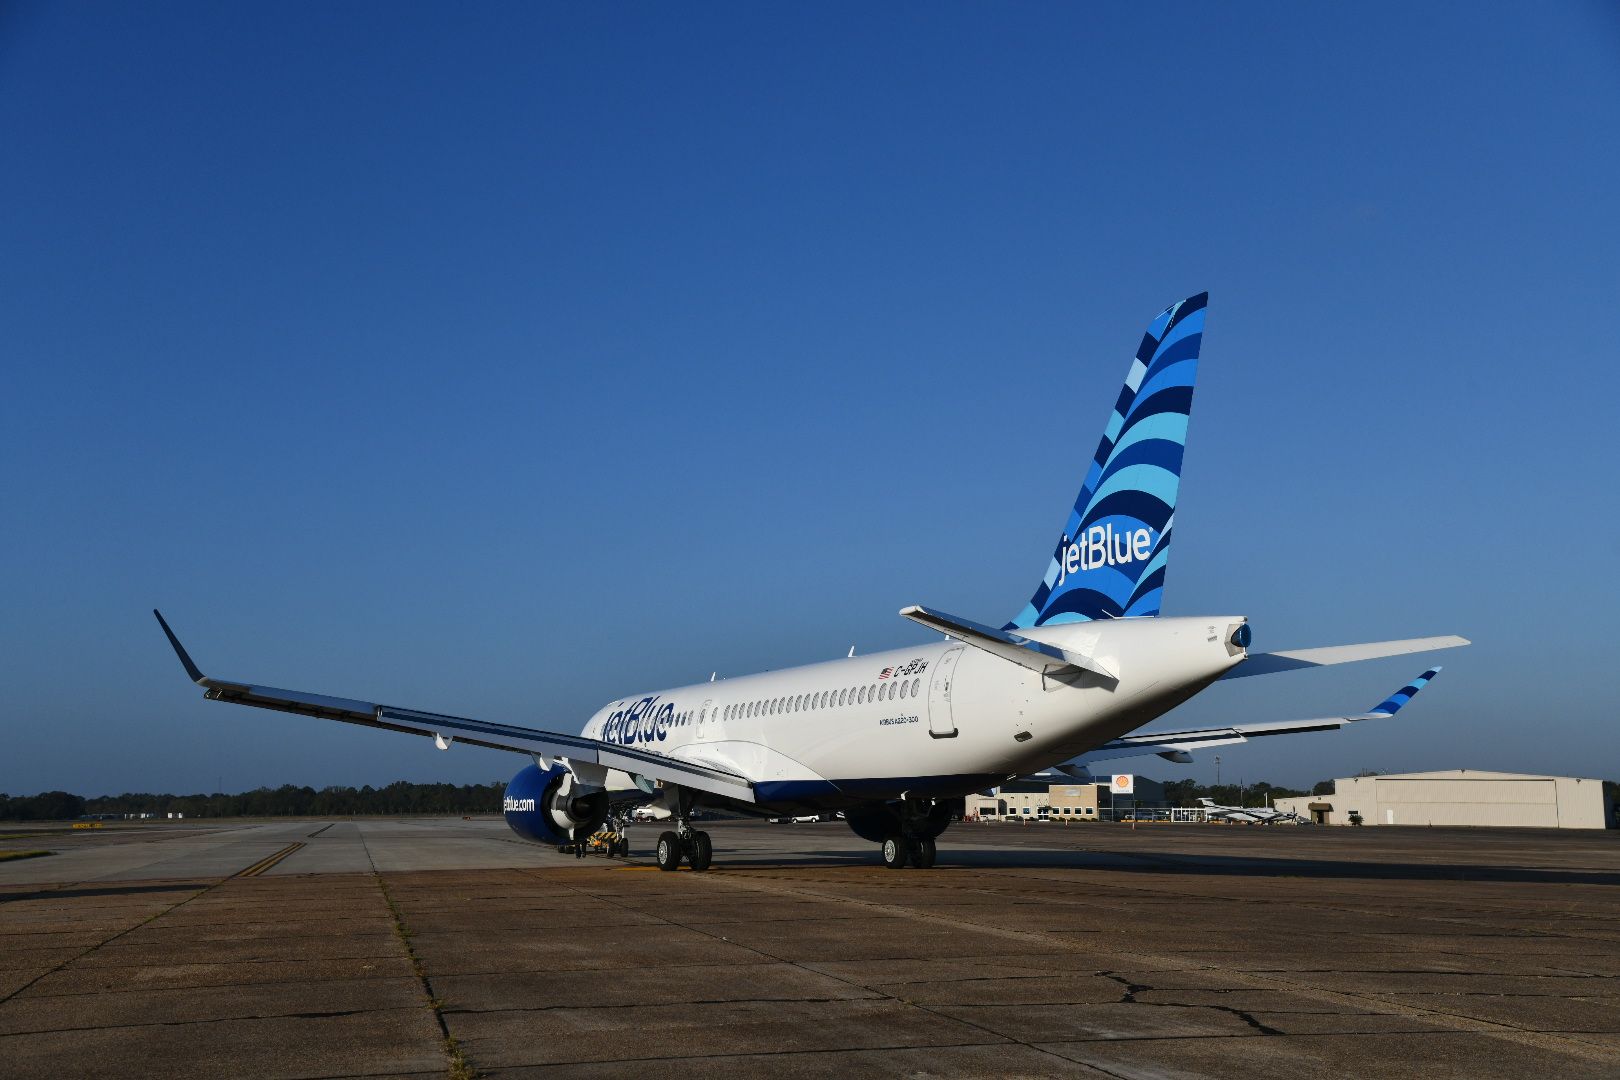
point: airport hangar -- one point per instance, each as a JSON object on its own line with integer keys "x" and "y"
{"x": 1460, "y": 797}
{"x": 1450, "y": 797}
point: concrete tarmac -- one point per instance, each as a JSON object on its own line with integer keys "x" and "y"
{"x": 434, "y": 947}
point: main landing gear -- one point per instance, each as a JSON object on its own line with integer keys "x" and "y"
{"x": 684, "y": 842}
{"x": 901, "y": 851}
{"x": 905, "y": 828}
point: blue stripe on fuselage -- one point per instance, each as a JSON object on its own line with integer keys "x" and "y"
{"x": 832, "y": 794}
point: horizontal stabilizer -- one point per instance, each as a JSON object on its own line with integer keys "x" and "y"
{"x": 1272, "y": 662}
{"x": 1020, "y": 650}
{"x": 1178, "y": 745}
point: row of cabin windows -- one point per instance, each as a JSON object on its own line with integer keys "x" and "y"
{"x": 826, "y": 699}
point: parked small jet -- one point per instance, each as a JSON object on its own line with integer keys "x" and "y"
{"x": 1248, "y": 815}
{"x": 896, "y": 739}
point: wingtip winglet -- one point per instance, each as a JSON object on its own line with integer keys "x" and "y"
{"x": 180, "y": 650}
{"x": 1392, "y": 704}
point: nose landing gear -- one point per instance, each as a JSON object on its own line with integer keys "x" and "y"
{"x": 695, "y": 847}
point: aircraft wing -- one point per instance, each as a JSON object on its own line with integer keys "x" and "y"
{"x": 1178, "y": 745}
{"x": 545, "y": 744}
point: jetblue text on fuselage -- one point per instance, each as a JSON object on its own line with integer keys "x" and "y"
{"x": 1100, "y": 545}
{"x": 644, "y": 722}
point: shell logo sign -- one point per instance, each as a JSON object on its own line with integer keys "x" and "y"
{"x": 1123, "y": 784}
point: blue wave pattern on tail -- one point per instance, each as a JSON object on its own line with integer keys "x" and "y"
{"x": 1393, "y": 703}
{"x": 1111, "y": 558}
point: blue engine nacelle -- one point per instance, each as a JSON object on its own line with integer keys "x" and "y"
{"x": 544, "y": 806}
{"x": 526, "y": 804}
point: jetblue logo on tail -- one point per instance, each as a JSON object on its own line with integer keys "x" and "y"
{"x": 1102, "y": 546}
{"x": 1116, "y": 541}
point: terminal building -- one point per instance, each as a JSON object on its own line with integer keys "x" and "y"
{"x": 1460, "y": 797}
{"x": 1058, "y": 802}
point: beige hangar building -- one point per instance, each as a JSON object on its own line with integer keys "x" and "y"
{"x": 1460, "y": 797}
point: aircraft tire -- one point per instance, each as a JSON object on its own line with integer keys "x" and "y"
{"x": 669, "y": 851}
{"x": 895, "y": 852}
{"x": 922, "y": 855}
{"x": 702, "y": 853}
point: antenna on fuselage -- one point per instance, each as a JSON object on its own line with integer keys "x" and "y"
{"x": 852, "y": 650}
{"x": 712, "y": 675}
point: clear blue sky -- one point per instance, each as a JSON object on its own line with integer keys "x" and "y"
{"x": 503, "y": 359}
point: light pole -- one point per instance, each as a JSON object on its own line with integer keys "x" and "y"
{"x": 1217, "y": 770}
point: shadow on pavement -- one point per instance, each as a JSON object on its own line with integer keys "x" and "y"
{"x": 1160, "y": 863}
{"x": 107, "y": 890}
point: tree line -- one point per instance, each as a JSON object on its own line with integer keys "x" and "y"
{"x": 400, "y": 797}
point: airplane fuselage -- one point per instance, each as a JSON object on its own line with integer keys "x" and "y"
{"x": 937, "y": 720}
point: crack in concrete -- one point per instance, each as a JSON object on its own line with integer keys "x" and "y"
{"x": 1133, "y": 988}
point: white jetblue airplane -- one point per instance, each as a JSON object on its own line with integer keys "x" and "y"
{"x": 896, "y": 739}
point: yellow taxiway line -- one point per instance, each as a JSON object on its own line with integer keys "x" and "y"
{"x": 269, "y": 860}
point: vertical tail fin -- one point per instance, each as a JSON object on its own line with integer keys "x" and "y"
{"x": 1111, "y": 557}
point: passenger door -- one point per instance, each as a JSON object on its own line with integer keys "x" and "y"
{"x": 941, "y": 724}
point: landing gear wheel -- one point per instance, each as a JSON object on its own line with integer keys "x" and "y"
{"x": 922, "y": 853}
{"x": 894, "y": 853}
{"x": 624, "y": 849}
{"x": 702, "y": 852}
{"x": 669, "y": 851}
